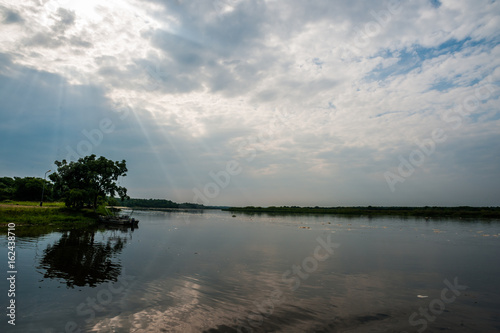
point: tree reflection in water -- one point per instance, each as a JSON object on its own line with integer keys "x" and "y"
{"x": 79, "y": 259}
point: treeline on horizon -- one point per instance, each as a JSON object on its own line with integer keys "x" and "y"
{"x": 30, "y": 189}
{"x": 427, "y": 211}
{"x": 158, "y": 203}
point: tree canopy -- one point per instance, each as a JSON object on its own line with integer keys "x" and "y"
{"x": 27, "y": 188}
{"x": 85, "y": 181}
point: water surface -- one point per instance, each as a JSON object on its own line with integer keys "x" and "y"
{"x": 211, "y": 272}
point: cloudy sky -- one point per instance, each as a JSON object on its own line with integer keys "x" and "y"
{"x": 269, "y": 102}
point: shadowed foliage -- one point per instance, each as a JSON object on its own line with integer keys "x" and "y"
{"x": 80, "y": 260}
{"x": 82, "y": 183}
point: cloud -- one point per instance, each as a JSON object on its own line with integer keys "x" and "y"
{"x": 11, "y": 16}
{"x": 326, "y": 96}
{"x": 65, "y": 19}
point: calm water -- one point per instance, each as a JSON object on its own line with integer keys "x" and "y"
{"x": 211, "y": 272}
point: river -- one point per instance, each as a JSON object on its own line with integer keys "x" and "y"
{"x": 210, "y": 271}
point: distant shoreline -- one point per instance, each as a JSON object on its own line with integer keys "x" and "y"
{"x": 425, "y": 212}
{"x": 165, "y": 209}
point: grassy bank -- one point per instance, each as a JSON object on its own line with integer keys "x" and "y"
{"x": 455, "y": 212}
{"x": 11, "y": 203}
{"x": 27, "y": 213}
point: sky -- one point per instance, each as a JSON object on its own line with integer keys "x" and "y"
{"x": 267, "y": 102}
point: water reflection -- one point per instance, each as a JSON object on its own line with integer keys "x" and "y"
{"x": 84, "y": 257}
{"x": 213, "y": 273}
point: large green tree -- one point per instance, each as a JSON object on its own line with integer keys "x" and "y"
{"x": 85, "y": 181}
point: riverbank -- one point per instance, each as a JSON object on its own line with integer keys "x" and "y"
{"x": 426, "y": 212}
{"x": 27, "y": 213}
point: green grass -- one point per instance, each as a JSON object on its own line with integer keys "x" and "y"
{"x": 33, "y": 203}
{"x": 27, "y": 213}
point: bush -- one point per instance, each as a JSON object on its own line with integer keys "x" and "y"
{"x": 76, "y": 198}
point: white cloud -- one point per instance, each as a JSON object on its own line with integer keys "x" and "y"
{"x": 323, "y": 93}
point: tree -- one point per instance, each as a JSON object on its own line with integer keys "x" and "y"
{"x": 30, "y": 188}
{"x": 6, "y": 188}
{"x": 25, "y": 189}
{"x": 85, "y": 181}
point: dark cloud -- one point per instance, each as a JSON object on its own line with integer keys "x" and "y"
{"x": 79, "y": 42}
{"x": 64, "y": 19}
{"x": 208, "y": 23}
{"x": 436, "y": 3}
{"x": 45, "y": 39}
{"x": 183, "y": 51}
{"x": 11, "y": 17}
{"x": 41, "y": 112}
{"x": 55, "y": 39}
{"x": 5, "y": 60}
